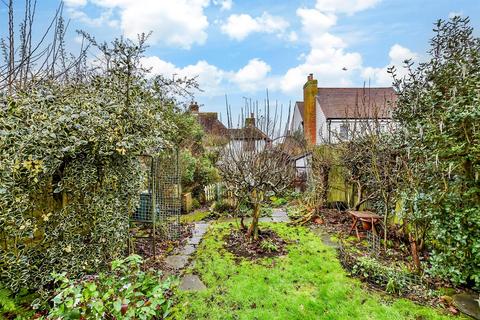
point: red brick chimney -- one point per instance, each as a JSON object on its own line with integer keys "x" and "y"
{"x": 250, "y": 122}
{"x": 310, "y": 90}
{"x": 194, "y": 108}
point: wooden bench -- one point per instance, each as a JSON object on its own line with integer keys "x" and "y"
{"x": 363, "y": 216}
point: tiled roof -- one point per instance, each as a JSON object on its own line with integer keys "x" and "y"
{"x": 210, "y": 123}
{"x": 247, "y": 133}
{"x": 341, "y": 103}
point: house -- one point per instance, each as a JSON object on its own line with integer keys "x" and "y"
{"x": 248, "y": 138}
{"x": 208, "y": 121}
{"x": 330, "y": 115}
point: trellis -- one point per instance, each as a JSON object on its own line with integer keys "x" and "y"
{"x": 160, "y": 202}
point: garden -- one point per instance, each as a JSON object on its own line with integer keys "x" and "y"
{"x": 95, "y": 159}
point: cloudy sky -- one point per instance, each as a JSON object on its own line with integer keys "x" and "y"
{"x": 242, "y": 47}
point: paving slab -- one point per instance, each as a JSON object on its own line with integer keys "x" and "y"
{"x": 194, "y": 240}
{"x": 468, "y": 304}
{"x": 324, "y": 236}
{"x": 191, "y": 282}
{"x": 187, "y": 250}
{"x": 177, "y": 261}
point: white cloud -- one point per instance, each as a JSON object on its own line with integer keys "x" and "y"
{"x": 213, "y": 80}
{"x": 224, "y": 4}
{"x": 454, "y": 14}
{"x": 328, "y": 58}
{"x": 345, "y": 6}
{"x": 75, "y": 3}
{"x": 180, "y": 23}
{"x": 239, "y": 26}
{"x": 380, "y": 76}
{"x": 252, "y": 76}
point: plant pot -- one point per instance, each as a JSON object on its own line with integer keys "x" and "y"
{"x": 367, "y": 225}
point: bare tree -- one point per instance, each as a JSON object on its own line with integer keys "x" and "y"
{"x": 27, "y": 61}
{"x": 256, "y": 162}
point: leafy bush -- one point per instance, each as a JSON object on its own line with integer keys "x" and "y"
{"x": 195, "y": 203}
{"x": 69, "y": 168}
{"x": 222, "y": 206}
{"x": 197, "y": 172}
{"x": 391, "y": 279}
{"x": 125, "y": 292}
{"x": 438, "y": 108}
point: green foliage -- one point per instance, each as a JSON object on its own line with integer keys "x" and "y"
{"x": 277, "y": 201}
{"x": 438, "y": 109}
{"x": 126, "y": 292}
{"x": 391, "y": 279}
{"x": 197, "y": 172}
{"x": 69, "y": 167}
{"x": 195, "y": 203}
{"x": 16, "y": 306}
{"x": 222, "y": 206}
{"x": 268, "y": 245}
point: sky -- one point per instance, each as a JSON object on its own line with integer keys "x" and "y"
{"x": 241, "y": 48}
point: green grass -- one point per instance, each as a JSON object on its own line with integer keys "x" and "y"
{"x": 195, "y": 216}
{"x": 308, "y": 283}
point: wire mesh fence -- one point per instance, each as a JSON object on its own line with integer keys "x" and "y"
{"x": 160, "y": 202}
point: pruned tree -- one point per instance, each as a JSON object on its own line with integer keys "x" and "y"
{"x": 256, "y": 162}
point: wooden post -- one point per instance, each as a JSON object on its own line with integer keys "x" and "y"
{"x": 153, "y": 172}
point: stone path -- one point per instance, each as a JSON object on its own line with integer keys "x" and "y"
{"x": 278, "y": 215}
{"x": 180, "y": 259}
{"x": 326, "y": 238}
{"x": 468, "y": 304}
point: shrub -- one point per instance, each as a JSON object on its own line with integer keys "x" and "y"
{"x": 438, "y": 109}
{"x": 391, "y": 279}
{"x": 195, "y": 203}
{"x": 69, "y": 168}
{"x": 125, "y": 292}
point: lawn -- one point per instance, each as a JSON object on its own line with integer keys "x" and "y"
{"x": 307, "y": 283}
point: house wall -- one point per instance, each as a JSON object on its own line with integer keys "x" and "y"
{"x": 296, "y": 123}
{"x": 321, "y": 124}
{"x": 330, "y": 131}
{"x": 241, "y": 145}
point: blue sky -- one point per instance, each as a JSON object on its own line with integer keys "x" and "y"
{"x": 242, "y": 47}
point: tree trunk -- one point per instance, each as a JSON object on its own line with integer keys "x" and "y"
{"x": 414, "y": 250}
{"x": 252, "y": 232}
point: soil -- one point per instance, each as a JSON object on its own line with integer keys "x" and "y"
{"x": 236, "y": 243}
{"x": 143, "y": 247}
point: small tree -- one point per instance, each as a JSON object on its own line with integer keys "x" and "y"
{"x": 256, "y": 162}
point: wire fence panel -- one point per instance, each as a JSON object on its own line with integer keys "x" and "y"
{"x": 160, "y": 203}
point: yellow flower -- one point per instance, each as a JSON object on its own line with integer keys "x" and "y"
{"x": 68, "y": 249}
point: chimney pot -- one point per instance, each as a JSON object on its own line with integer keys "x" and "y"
{"x": 194, "y": 108}
{"x": 250, "y": 122}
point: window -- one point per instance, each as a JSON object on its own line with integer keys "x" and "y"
{"x": 343, "y": 134}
